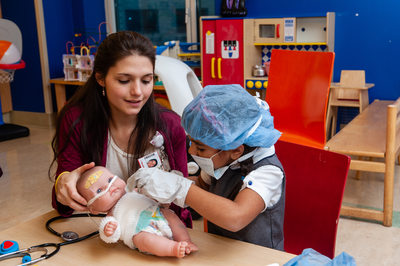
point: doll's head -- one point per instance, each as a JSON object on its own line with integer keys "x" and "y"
{"x": 100, "y": 188}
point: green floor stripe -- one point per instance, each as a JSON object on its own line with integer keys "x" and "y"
{"x": 395, "y": 219}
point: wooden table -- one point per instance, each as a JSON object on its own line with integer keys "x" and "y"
{"x": 213, "y": 250}
{"x": 372, "y": 134}
{"x": 60, "y": 84}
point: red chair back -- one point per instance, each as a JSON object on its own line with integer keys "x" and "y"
{"x": 297, "y": 93}
{"x": 315, "y": 182}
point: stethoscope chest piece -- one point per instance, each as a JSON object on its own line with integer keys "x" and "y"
{"x": 69, "y": 236}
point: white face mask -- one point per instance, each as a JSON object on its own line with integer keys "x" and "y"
{"x": 207, "y": 165}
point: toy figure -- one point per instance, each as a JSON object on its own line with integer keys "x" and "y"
{"x": 134, "y": 218}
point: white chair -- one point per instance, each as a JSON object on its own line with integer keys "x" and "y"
{"x": 179, "y": 80}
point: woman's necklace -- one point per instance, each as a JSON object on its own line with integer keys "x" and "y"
{"x": 121, "y": 140}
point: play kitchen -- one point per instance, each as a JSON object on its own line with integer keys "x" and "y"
{"x": 238, "y": 51}
{"x": 258, "y": 71}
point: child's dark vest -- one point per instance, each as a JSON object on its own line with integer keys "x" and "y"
{"x": 267, "y": 228}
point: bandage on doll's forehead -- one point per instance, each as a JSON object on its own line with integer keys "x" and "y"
{"x": 103, "y": 192}
{"x": 93, "y": 178}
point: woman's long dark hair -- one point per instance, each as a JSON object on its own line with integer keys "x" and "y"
{"x": 96, "y": 113}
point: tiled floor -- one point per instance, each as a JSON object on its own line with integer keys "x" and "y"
{"x": 25, "y": 193}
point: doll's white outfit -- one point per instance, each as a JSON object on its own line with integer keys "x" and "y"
{"x": 135, "y": 213}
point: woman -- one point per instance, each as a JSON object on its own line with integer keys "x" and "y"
{"x": 113, "y": 121}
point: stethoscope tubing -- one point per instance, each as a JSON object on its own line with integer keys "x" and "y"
{"x": 56, "y": 246}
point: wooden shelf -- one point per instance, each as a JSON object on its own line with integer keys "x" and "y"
{"x": 189, "y": 54}
{"x": 67, "y": 82}
{"x": 158, "y": 88}
{"x": 256, "y": 78}
{"x": 292, "y": 43}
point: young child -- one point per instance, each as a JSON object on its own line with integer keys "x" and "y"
{"x": 132, "y": 217}
{"x": 241, "y": 187}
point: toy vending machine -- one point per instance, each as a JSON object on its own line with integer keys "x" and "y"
{"x": 222, "y": 51}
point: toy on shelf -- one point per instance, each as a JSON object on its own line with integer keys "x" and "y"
{"x": 84, "y": 65}
{"x": 186, "y": 52}
{"x": 168, "y": 49}
{"x": 79, "y": 67}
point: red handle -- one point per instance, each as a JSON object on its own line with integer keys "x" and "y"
{"x": 277, "y": 31}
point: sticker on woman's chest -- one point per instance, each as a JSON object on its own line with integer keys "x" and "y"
{"x": 151, "y": 160}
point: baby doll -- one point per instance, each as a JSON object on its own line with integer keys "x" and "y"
{"x": 132, "y": 217}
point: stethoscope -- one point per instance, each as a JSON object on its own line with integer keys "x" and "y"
{"x": 69, "y": 237}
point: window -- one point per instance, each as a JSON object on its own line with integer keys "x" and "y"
{"x": 136, "y": 20}
{"x": 159, "y": 20}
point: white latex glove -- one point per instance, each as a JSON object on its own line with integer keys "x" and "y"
{"x": 164, "y": 187}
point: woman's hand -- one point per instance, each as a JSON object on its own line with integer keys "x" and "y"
{"x": 66, "y": 188}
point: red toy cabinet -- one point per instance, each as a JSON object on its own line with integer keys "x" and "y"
{"x": 222, "y": 51}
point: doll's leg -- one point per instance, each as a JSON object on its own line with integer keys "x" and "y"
{"x": 159, "y": 245}
{"x": 179, "y": 230}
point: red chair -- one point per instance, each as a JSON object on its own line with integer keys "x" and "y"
{"x": 315, "y": 182}
{"x": 297, "y": 93}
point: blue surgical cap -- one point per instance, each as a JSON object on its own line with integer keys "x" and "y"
{"x": 227, "y": 116}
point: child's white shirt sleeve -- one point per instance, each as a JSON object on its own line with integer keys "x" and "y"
{"x": 114, "y": 237}
{"x": 266, "y": 181}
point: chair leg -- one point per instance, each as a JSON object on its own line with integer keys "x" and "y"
{"x": 388, "y": 190}
{"x": 328, "y": 122}
{"x": 358, "y": 173}
{"x": 363, "y": 100}
{"x": 334, "y": 120}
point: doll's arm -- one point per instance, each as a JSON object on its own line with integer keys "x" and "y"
{"x": 102, "y": 228}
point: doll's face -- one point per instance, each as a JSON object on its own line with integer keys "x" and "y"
{"x": 96, "y": 182}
